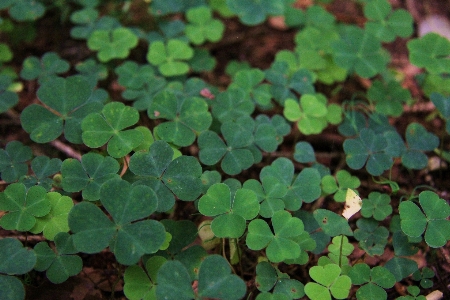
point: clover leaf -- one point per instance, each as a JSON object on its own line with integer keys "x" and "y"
{"x": 141, "y": 284}
{"x": 202, "y": 27}
{"x": 87, "y": 21}
{"x": 285, "y": 82}
{"x": 230, "y": 211}
{"x": 68, "y": 102}
{"x": 442, "y": 104}
{"x": 127, "y": 234}
{"x": 279, "y": 246}
{"x": 111, "y": 44}
{"x": 414, "y": 292}
{"x": 8, "y": 98}
{"x": 92, "y": 70}
{"x": 25, "y": 10}
{"x": 141, "y": 83}
{"x": 431, "y": 52}
{"x": 360, "y": 51}
{"x": 23, "y": 206}
{"x": 12, "y": 161}
{"x": 170, "y": 57}
{"x": 189, "y": 116}
{"x": 56, "y": 220}
{"x": 344, "y": 181}
{"x": 313, "y": 46}
{"x": 401, "y": 267}
{"x": 270, "y": 194}
{"x": 304, "y": 152}
{"x": 250, "y": 81}
{"x": 329, "y": 280}
{"x": 304, "y": 188}
{"x": 434, "y": 222}
{"x": 268, "y": 277}
{"x": 311, "y": 113}
{"x": 372, "y": 238}
{"x": 107, "y": 127}
{"x": 424, "y": 276}
{"x": 234, "y": 154}
{"x": 15, "y": 259}
{"x": 419, "y": 140}
{"x": 89, "y": 174}
{"x": 386, "y": 24}
{"x": 60, "y": 263}
{"x": 377, "y": 205}
{"x": 373, "y": 281}
{"x": 339, "y": 249}
{"x": 164, "y": 7}
{"x": 49, "y": 66}
{"x": 165, "y": 176}
{"x": 388, "y": 97}
{"x": 214, "y": 280}
{"x": 331, "y": 223}
{"x": 42, "y": 167}
{"x": 231, "y": 105}
{"x": 368, "y": 149}
{"x": 254, "y": 12}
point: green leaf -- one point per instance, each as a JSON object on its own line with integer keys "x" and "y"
{"x": 255, "y": 12}
{"x": 280, "y": 246}
{"x": 389, "y": 97}
{"x": 56, "y": 220}
{"x": 442, "y": 103}
{"x": 266, "y": 276}
{"x": 386, "y": 24}
{"x": 14, "y": 258}
{"x": 414, "y": 222}
{"x": 304, "y": 152}
{"x": 48, "y": 67}
{"x": 170, "y": 57}
{"x": 93, "y": 231}
{"x": 188, "y": 115}
{"x": 360, "y": 51}
{"x": 215, "y": 280}
{"x": 174, "y": 282}
{"x": 42, "y": 167}
{"x": 68, "y": 103}
{"x": 377, "y": 205}
{"x": 231, "y": 211}
{"x": 22, "y": 206}
{"x": 372, "y": 238}
{"x": 331, "y": 223}
{"x": 431, "y": 52}
{"x": 89, "y": 174}
{"x": 419, "y": 140}
{"x": 11, "y": 288}
{"x": 330, "y": 279}
{"x": 26, "y": 10}
{"x": 401, "y": 267}
{"x": 368, "y": 148}
{"x": 232, "y": 104}
{"x": 156, "y": 169}
{"x": 202, "y": 26}
{"x": 9, "y": 98}
{"x": 12, "y": 161}
{"x": 60, "y": 265}
{"x": 107, "y": 127}
{"x": 111, "y": 44}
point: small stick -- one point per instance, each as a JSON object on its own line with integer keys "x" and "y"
{"x": 66, "y": 149}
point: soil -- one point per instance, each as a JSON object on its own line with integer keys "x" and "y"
{"x": 257, "y": 46}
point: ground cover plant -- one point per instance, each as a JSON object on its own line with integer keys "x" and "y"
{"x": 202, "y": 149}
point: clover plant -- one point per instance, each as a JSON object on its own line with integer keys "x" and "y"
{"x": 155, "y": 136}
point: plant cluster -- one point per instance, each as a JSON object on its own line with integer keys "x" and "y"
{"x": 175, "y": 141}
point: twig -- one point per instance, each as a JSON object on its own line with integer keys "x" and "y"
{"x": 66, "y": 149}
